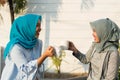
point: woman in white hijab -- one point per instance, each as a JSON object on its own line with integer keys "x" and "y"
{"x": 103, "y": 55}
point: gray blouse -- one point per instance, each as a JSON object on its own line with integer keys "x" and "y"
{"x": 103, "y": 65}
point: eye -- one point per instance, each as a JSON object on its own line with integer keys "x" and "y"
{"x": 38, "y": 25}
{"x": 93, "y": 30}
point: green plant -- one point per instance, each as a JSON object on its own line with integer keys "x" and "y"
{"x": 19, "y": 5}
{"x": 57, "y": 61}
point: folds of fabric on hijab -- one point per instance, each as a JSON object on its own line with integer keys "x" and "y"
{"x": 23, "y": 32}
{"x": 108, "y": 33}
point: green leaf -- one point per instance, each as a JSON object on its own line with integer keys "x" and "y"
{"x": 19, "y": 5}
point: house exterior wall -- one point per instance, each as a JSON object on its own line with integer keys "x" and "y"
{"x": 4, "y": 32}
{"x": 5, "y": 24}
{"x": 67, "y": 20}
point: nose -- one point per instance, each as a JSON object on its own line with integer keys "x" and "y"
{"x": 39, "y": 29}
{"x": 93, "y": 34}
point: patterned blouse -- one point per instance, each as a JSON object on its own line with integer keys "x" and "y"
{"x": 21, "y": 63}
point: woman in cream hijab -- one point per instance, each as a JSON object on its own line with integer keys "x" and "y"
{"x": 103, "y": 55}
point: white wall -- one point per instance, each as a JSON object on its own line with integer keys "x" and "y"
{"x": 65, "y": 20}
{"x": 5, "y": 24}
{"x": 4, "y": 31}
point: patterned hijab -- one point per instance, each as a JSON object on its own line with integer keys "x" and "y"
{"x": 108, "y": 33}
{"x": 23, "y": 32}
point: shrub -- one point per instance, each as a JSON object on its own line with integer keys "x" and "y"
{"x": 19, "y": 5}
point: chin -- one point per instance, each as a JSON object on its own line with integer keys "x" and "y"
{"x": 37, "y": 36}
{"x": 97, "y": 41}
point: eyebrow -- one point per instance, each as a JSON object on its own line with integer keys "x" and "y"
{"x": 38, "y": 23}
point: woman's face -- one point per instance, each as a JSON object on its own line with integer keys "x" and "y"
{"x": 38, "y": 29}
{"x": 95, "y": 36}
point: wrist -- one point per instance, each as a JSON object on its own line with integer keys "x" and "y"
{"x": 41, "y": 59}
{"x": 75, "y": 50}
{"x": 44, "y": 55}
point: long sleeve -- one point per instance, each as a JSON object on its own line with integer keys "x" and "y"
{"x": 85, "y": 58}
{"x": 26, "y": 68}
{"x": 21, "y": 63}
{"x": 80, "y": 56}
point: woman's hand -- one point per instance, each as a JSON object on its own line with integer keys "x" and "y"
{"x": 49, "y": 52}
{"x": 72, "y": 47}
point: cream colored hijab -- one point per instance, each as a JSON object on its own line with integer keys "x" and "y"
{"x": 108, "y": 33}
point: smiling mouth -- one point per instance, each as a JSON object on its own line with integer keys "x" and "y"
{"x": 37, "y": 33}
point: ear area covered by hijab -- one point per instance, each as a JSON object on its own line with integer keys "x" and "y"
{"x": 108, "y": 33}
{"x": 23, "y": 32}
{"x": 115, "y": 30}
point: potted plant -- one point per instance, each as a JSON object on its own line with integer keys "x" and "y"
{"x": 57, "y": 60}
{"x": 59, "y": 54}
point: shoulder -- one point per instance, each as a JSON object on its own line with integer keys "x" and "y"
{"x": 17, "y": 49}
{"x": 38, "y": 45}
{"x": 39, "y": 42}
{"x": 113, "y": 52}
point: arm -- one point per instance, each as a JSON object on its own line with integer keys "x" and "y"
{"x": 83, "y": 58}
{"x": 80, "y": 56}
{"x": 47, "y": 53}
{"x": 27, "y": 68}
